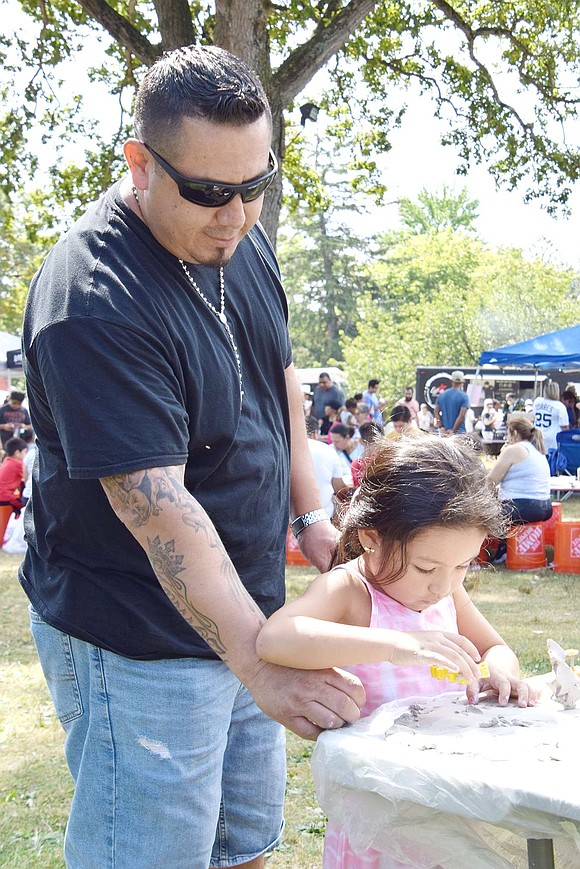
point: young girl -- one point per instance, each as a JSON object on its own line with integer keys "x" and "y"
{"x": 395, "y": 604}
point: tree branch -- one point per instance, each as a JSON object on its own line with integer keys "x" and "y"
{"x": 122, "y": 30}
{"x": 328, "y": 38}
{"x": 470, "y": 36}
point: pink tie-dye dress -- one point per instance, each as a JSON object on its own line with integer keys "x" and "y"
{"x": 384, "y": 682}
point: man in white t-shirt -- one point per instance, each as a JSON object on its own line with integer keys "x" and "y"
{"x": 550, "y": 414}
{"x": 327, "y": 466}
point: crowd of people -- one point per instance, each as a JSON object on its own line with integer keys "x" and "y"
{"x": 348, "y": 428}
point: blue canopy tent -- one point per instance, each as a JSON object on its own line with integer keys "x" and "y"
{"x": 559, "y": 349}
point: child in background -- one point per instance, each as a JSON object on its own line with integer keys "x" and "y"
{"x": 395, "y": 603}
{"x": 369, "y": 433}
{"x": 11, "y": 474}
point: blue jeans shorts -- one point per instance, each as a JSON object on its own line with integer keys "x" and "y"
{"x": 175, "y": 767}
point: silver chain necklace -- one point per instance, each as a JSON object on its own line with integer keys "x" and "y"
{"x": 221, "y": 314}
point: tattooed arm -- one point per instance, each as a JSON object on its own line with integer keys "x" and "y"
{"x": 196, "y": 573}
{"x": 177, "y": 534}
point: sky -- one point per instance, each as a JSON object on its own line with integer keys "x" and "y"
{"x": 416, "y": 161}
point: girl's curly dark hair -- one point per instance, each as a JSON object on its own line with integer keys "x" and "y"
{"x": 417, "y": 483}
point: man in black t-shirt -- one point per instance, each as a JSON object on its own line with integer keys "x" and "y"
{"x": 13, "y": 417}
{"x": 156, "y": 533}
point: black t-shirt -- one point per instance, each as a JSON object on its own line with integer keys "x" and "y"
{"x": 15, "y": 416}
{"x": 127, "y": 369}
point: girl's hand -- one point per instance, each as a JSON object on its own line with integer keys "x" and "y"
{"x": 504, "y": 685}
{"x": 409, "y": 648}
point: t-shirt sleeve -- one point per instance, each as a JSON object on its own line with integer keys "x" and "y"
{"x": 336, "y": 467}
{"x": 110, "y": 396}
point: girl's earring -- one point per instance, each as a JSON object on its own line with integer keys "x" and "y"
{"x": 369, "y": 548}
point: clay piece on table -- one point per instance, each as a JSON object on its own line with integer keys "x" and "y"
{"x": 566, "y": 684}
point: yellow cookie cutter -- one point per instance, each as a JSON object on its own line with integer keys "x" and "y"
{"x": 442, "y": 673}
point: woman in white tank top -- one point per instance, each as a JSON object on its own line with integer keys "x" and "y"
{"x": 523, "y": 474}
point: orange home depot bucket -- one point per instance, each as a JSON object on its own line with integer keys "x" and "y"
{"x": 550, "y": 524}
{"x": 5, "y": 514}
{"x": 294, "y": 557}
{"x": 525, "y": 547}
{"x": 567, "y": 547}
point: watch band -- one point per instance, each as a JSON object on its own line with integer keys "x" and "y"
{"x": 302, "y": 522}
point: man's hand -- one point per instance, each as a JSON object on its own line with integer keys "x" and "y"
{"x": 317, "y": 543}
{"x": 307, "y": 701}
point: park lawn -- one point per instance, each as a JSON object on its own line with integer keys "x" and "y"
{"x": 35, "y": 787}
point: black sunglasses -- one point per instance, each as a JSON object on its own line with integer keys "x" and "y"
{"x": 212, "y": 194}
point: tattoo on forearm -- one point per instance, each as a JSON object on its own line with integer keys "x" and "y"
{"x": 138, "y": 496}
{"x": 167, "y": 566}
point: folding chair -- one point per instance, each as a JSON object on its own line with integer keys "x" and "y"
{"x": 569, "y": 446}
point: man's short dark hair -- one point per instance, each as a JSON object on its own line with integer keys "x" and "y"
{"x": 373, "y": 383}
{"x": 13, "y": 445}
{"x": 201, "y": 82}
{"x": 16, "y": 395}
{"x": 323, "y": 374}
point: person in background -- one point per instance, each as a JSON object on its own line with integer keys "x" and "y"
{"x": 425, "y": 419}
{"x": 29, "y": 439}
{"x": 14, "y": 418}
{"x": 410, "y": 402}
{"x": 363, "y": 413}
{"x": 330, "y": 419}
{"x": 348, "y": 413}
{"x": 400, "y": 423}
{"x": 11, "y": 471}
{"x": 570, "y": 402}
{"x": 489, "y": 420}
{"x": 370, "y": 434}
{"x": 327, "y": 467}
{"x": 324, "y": 394}
{"x": 394, "y": 605}
{"x": 451, "y": 407}
{"x": 501, "y": 415}
{"x": 488, "y": 390}
{"x": 306, "y": 399}
{"x": 157, "y": 545}
{"x": 550, "y": 415}
{"x": 522, "y": 475}
{"x": 346, "y": 448}
{"x": 371, "y": 398}
{"x": 469, "y": 420}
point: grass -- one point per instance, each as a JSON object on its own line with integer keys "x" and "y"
{"x": 35, "y": 787}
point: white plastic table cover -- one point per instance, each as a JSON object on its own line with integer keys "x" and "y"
{"x": 434, "y": 782}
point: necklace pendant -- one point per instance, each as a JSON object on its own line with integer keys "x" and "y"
{"x": 222, "y": 318}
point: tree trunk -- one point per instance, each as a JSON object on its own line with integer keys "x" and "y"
{"x": 241, "y": 29}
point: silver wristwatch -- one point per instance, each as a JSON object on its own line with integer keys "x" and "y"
{"x": 302, "y": 522}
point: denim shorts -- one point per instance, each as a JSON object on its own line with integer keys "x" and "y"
{"x": 175, "y": 767}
